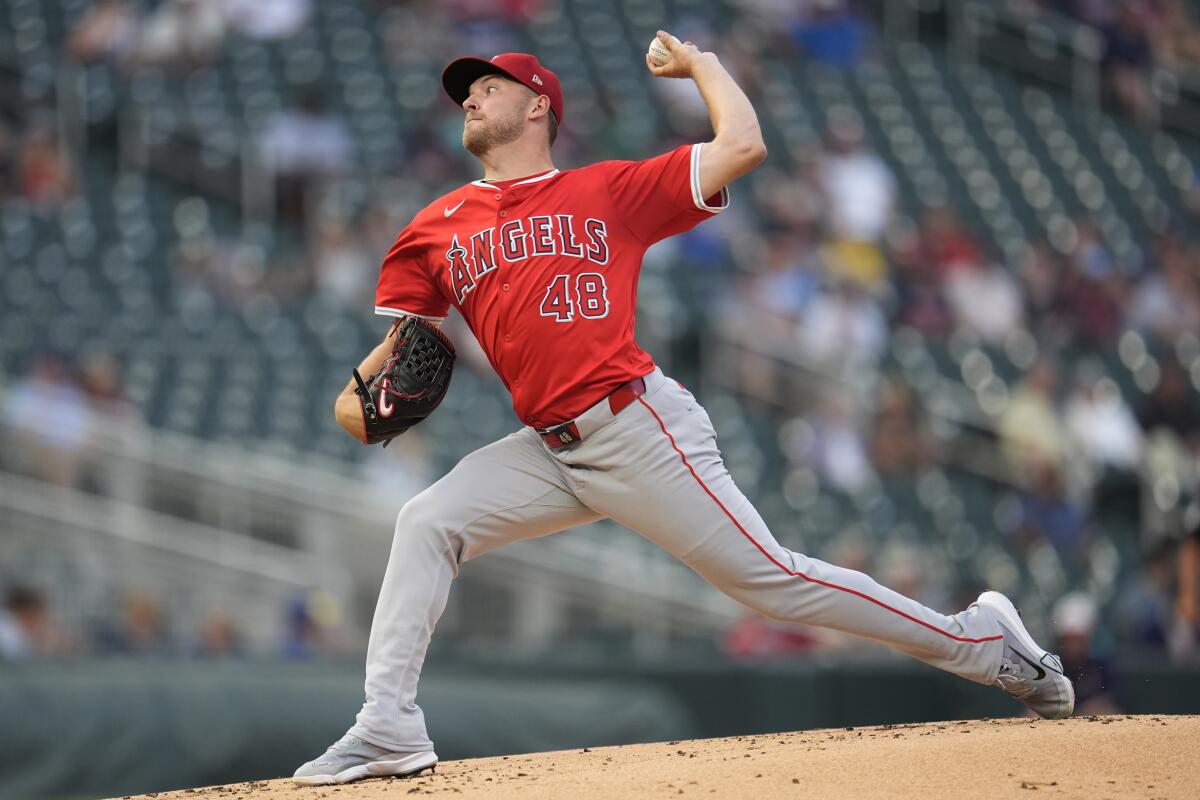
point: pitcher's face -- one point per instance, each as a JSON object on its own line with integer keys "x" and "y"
{"x": 496, "y": 110}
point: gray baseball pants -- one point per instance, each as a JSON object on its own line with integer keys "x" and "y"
{"x": 654, "y": 468}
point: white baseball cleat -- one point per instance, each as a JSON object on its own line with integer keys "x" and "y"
{"x": 351, "y": 759}
{"x": 1027, "y": 672}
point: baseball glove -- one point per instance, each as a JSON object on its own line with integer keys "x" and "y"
{"x": 410, "y": 384}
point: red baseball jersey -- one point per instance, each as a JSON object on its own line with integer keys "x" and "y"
{"x": 545, "y": 269}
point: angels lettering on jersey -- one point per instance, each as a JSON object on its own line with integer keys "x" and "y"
{"x": 537, "y": 236}
{"x": 544, "y": 271}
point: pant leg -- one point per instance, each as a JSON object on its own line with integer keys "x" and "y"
{"x": 505, "y": 492}
{"x": 657, "y": 470}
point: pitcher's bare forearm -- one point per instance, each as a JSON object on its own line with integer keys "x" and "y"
{"x": 732, "y": 115}
{"x": 737, "y": 146}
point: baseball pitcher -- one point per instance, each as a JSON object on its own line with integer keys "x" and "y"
{"x": 543, "y": 265}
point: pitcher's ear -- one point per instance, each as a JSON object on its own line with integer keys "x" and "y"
{"x": 542, "y": 105}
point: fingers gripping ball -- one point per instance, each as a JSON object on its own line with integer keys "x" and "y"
{"x": 410, "y": 384}
{"x": 658, "y": 52}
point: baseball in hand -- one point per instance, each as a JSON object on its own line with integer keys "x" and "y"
{"x": 658, "y": 52}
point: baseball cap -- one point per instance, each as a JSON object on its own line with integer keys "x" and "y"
{"x": 523, "y": 68}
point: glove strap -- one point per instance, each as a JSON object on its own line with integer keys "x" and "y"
{"x": 370, "y": 413}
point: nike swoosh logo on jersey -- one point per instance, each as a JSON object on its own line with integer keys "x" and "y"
{"x": 448, "y": 210}
{"x": 1041, "y": 673}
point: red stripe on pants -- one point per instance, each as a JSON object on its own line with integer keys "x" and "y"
{"x": 783, "y": 567}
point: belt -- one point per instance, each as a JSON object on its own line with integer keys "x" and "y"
{"x": 567, "y": 433}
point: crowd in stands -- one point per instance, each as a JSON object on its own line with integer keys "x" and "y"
{"x": 817, "y": 248}
{"x": 32, "y": 165}
{"x": 1138, "y": 37}
{"x": 138, "y": 625}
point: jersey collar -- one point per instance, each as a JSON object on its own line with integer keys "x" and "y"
{"x": 522, "y": 182}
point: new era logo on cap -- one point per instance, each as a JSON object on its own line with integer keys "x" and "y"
{"x": 523, "y": 68}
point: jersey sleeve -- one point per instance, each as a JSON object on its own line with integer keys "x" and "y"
{"x": 406, "y": 287}
{"x": 660, "y": 197}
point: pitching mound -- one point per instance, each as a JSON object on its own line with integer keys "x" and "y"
{"x": 1091, "y": 757}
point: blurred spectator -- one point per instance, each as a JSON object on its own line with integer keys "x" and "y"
{"x": 102, "y": 385}
{"x": 904, "y": 568}
{"x": 1127, "y": 61}
{"x": 343, "y": 269}
{"x": 986, "y": 300}
{"x": 1172, "y": 406}
{"x": 1177, "y": 37}
{"x": 8, "y": 158}
{"x": 485, "y": 26}
{"x": 1075, "y": 616}
{"x": 1185, "y": 640}
{"x": 51, "y": 445}
{"x": 946, "y": 244}
{"x": 107, "y": 32}
{"x": 831, "y": 33}
{"x": 791, "y": 276}
{"x": 182, "y": 35}
{"x": 836, "y": 450}
{"x": 312, "y": 621}
{"x": 774, "y": 15}
{"x": 757, "y": 637}
{"x": 1103, "y": 426}
{"x": 303, "y": 146}
{"x": 922, "y": 304}
{"x": 43, "y": 173}
{"x": 1031, "y": 429}
{"x": 210, "y": 270}
{"x": 140, "y": 630}
{"x": 1094, "y": 288}
{"x": 1146, "y": 605}
{"x": 24, "y": 622}
{"x": 900, "y": 441}
{"x": 1042, "y": 278}
{"x": 267, "y": 20}
{"x": 860, "y": 186}
{"x": 860, "y": 262}
{"x": 1094, "y": 307}
{"x": 843, "y": 328}
{"x": 1167, "y": 302}
{"x": 1049, "y": 514}
{"x": 794, "y": 198}
{"x": 1090, "y": 256}
{"x": 219, "y": 638}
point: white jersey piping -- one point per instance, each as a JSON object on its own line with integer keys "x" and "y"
{"x": 400, "y": 312}
{"x": 548, "y": 175}
{"x": 697, "y": 197}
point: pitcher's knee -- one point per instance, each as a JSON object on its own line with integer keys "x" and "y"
{"x": 423, "y": 524}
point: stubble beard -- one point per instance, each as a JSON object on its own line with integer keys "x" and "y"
{"x": 479, "y": 139}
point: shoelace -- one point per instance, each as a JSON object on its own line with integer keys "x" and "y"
{"x": 1013, "y": 680}
{"x": 336, "y": 749}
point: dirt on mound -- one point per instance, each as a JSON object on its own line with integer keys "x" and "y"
{"x": 1089, "y": 757}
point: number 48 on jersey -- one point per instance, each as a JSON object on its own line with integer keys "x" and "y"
{"x": 586, "y": 296}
